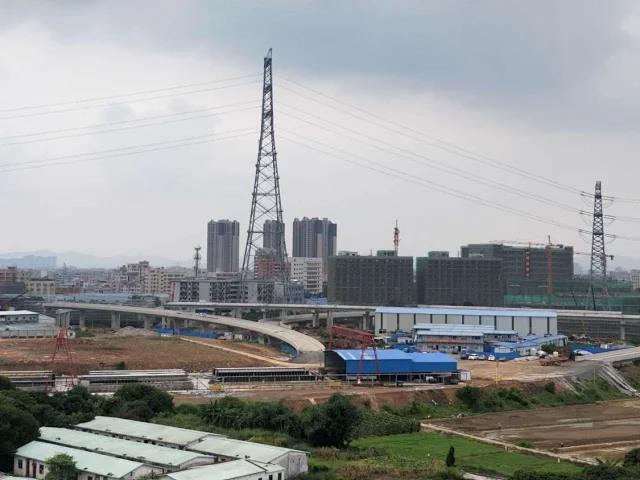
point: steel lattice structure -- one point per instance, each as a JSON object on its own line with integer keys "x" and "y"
{"x": 266, "y": 203}
{"x": 598, "y": 270}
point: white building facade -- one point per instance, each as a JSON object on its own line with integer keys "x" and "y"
{"x": 309, "y": 271}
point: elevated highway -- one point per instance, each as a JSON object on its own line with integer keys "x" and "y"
{"x": 307, "y": 347}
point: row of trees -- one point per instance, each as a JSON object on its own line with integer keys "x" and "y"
{"x": 22, "y": 413}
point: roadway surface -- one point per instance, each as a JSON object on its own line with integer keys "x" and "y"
{"x": 302, "y": 343}
{"x": 613, "y": 356}
{"x": 273, "y": 306}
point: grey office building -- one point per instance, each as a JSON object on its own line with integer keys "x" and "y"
{"x": 444, "y": 280}
{"x": 223, "y": 244}
{"x": 314, "y": 237}
{"x": 370, "y": 280}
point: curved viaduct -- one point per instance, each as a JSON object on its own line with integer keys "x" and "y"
{"x": 306, "y": 346}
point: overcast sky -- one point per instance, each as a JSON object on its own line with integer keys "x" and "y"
{"x": 550, "y": 88}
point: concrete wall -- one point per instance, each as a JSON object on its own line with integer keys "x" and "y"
{"x": 522, "y": 325}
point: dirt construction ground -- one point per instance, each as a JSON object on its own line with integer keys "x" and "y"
{"x": 138, "y": 352}
{"x": 603, "y": 430}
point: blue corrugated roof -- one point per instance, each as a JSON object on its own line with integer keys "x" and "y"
{"x": 393, "y": 361}
{"x": 531, "y": 341}
{"x": 469, "y": 311}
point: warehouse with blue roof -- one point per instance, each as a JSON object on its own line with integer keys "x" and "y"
{"x": 390, "y": 363}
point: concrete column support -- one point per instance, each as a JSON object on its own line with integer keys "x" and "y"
{"x": 364, "y": 325}
{"x": 83, "y": 319}
{"x": 115, "y": 320}
{"x": 178, "y": 323}
{"x": 623, "y": 330}
{"x": 315, "y": 322}
{"x": 329, "y": 318}
{"x": 148, "y": 322}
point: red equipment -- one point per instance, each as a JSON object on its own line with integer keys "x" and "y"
{"x": 362, "y": 339}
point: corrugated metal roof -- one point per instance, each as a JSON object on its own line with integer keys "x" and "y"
{"x": 142, "y": 452}
{"x": 433, "y": 357}
{"x": 8, "y": 313}
{"x": 151, "y": 431}
{"x": 471, "y": 311}
{"x": 382, "y": 354}
{"x": 531, "y": 341}
{"x": 229, "y": 447}
{"x": 442, "y": 333}
{"x": 85, "y": 461}
{"x": 226, "y": 471}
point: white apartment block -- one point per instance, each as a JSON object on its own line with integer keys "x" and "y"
{"x": 635, "y": 279}
{"x": 309, "y": 271}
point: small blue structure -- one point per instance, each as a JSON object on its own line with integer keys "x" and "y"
{"x": 391, "y": 362}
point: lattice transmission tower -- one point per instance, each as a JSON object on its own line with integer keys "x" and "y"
{"x": 266, "y": 203}
{"x": 598, "y": 269}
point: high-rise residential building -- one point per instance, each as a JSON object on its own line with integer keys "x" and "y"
{"x": 314, "y": 237}
{"x": 525, "y": 263}
{"x": 444, "y": 280}
{"x": 223, "y": 246}
{"x": 371, "y": 280}
{"x": 266, "y": 264}
{"x": 273, "y": 234}
{"x": 309, "y": 272}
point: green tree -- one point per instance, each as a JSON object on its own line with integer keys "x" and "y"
{"x": 157, "y": 400}
{"x": 17, "y": 427}
{"x": 451, "y": 457}
{"x": 333, "y": 423}
{"x": 548, "y": 348}
{"x": 134, "y": 410}
{"x": 470, "y": 396}
{"x": 632, "y": 458}
{"x": 61, "y": 467}
{"x": 5, "y": 384}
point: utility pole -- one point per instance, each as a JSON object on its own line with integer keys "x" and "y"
{"x": 598, "y": 269}
{"x": 396, "y": 238}
{"x": 265, "y": 200}
{"x": 196, "y": 258}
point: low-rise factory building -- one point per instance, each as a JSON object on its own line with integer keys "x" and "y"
{"x": 391, "y": 363}
{"x": 160, "y": 459}
{"x": 112, "y": 380}
{"x": 522, "y": 321}
{"x": 456, "y": 338}
{"x": 18, "y": 316}
{"x": 236, "y": 470}
{"x": 294, "y": 462}
{"x": 220, "y": 448}
{"x": 30, "y": 460}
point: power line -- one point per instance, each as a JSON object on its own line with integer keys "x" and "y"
{"x": 129, "y": 127}
{"x": 428, "y": 161}
{"x": 122, "y": 122}
{"x": 421, "y": 136}
{"x": 412, "y": 178}
{"x": 135, "y": 100}
{"x": 123, "y": 151}
{"x": 443, "y": 144}
{"x": 394, "y": 172}
{"x": 123, "y": 95}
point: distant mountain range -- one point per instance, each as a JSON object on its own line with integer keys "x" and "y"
{"x": 84, "y": 260}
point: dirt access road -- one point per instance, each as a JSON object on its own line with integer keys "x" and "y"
{"x": 602, "y": 430}
{"x": 138, "y": 352}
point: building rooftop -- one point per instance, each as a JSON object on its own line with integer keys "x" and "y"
{"x": 103, "y": 465}
{"x": 229, "y": 447}
{"x": 471, "y": 311}
{"x": 142, "y": 452}
{"x": 531, "y": 341}
{"x": 150, "y": 431}
{"x": 459, "y": 329}
{"x": 395, "y": 354}
{"x": 226, "y": 471}
{"x": 8, "y": 313}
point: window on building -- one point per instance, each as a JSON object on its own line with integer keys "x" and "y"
{"x": 19, "y": 463}
{"x": 279, "y": 476}
{"x": 89, "y": 477}
{"x": 270, "y": 477}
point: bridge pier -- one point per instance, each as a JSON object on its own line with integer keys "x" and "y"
{"x": 63, "y": 318}
{"x": 315, "y": 323}
{"x": 623, "y": 330}
{"x": 364, "y": 325}
{"x": 83, "y": 320}
{"x": 115, "y": 320}
{"x": 329, "y": 318}
{"x": 164, "y": 322}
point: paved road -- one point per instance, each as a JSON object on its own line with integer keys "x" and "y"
{"x": 306, "y": 346}
{"x": 613, "y": 356}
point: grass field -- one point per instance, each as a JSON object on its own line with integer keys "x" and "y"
{"x": 396, "y": 456}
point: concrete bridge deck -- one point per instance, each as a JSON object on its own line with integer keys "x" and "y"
{"x": 305, "y": 345}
